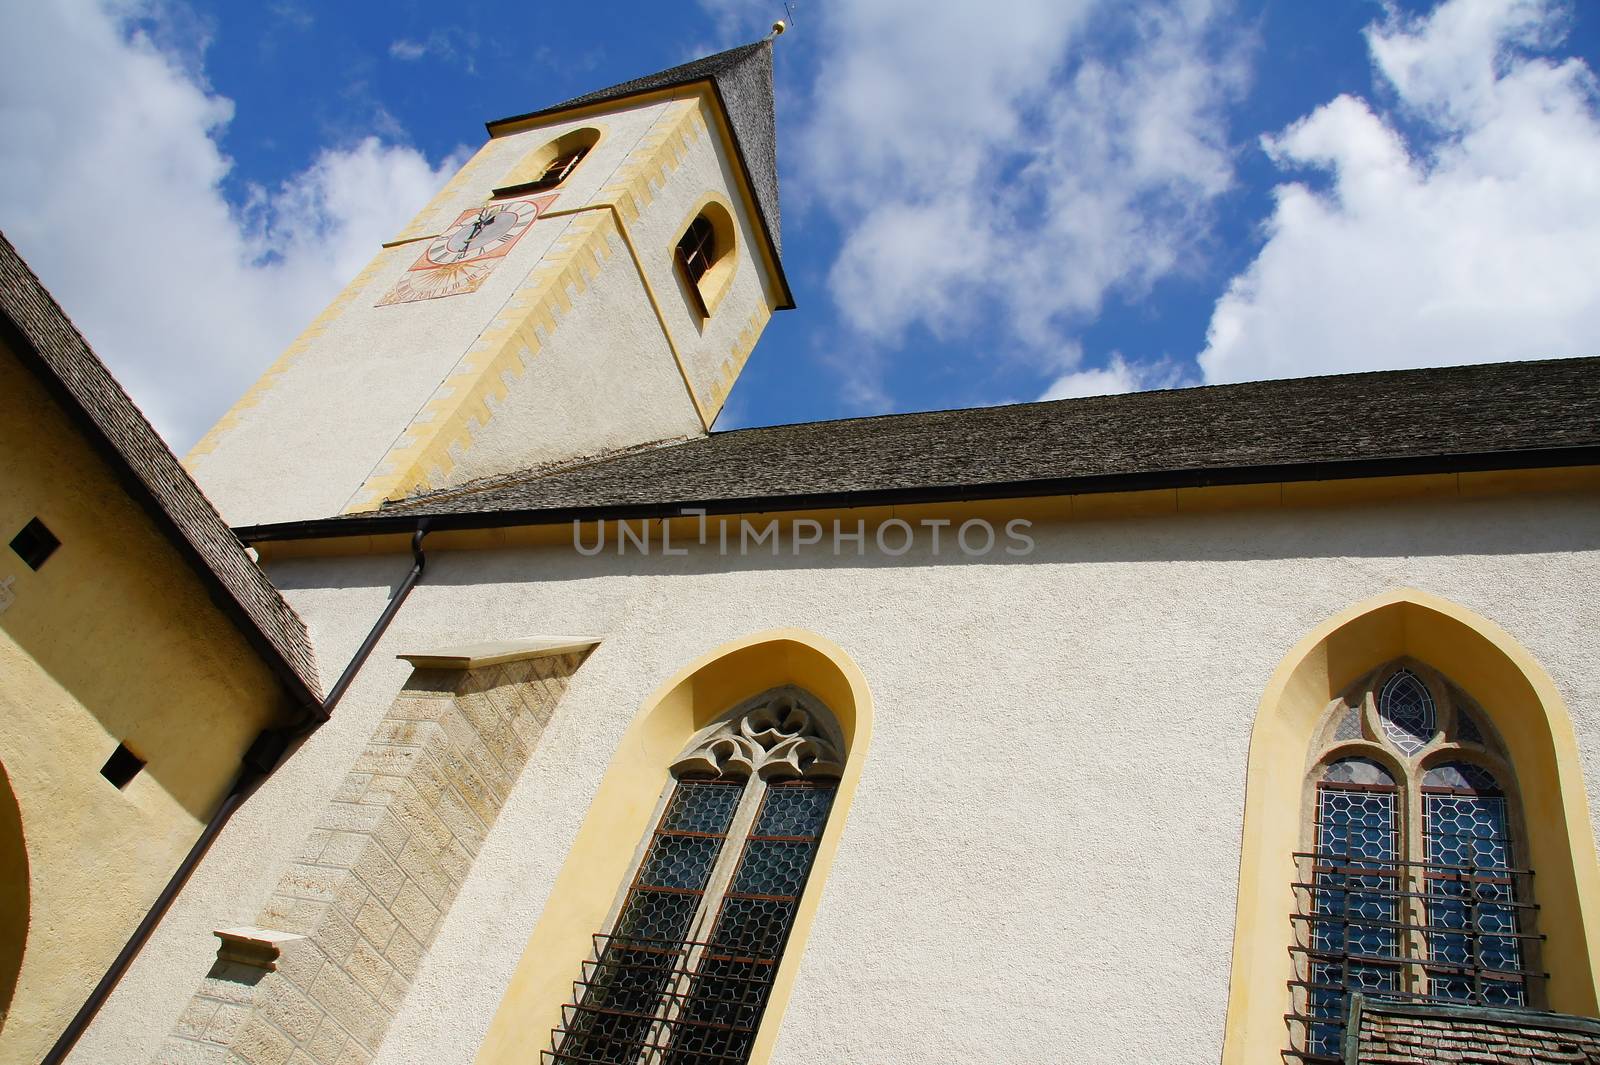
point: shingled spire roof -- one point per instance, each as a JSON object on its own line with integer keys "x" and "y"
{"x": 742, "y": 80}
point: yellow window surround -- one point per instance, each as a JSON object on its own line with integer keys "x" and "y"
{"x": 533, "y": 165}
{"x": 715, "y": 283}
{"x": 1537, "y": 733}
{"x": 629, "y": 795}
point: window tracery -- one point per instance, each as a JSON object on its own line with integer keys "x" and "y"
{"x": 1408, "y": 885}
{"x": 684, "y": 974}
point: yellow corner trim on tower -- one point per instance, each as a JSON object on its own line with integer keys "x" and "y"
{"x": 733, "y": 365}
{"x": 264, "y": 384}
{"x": 422, "y": 455}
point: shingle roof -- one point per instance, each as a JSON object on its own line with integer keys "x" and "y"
{"x": 46, "y": 341}
{"x": 743, "y": 80}
{"x": 1497, "y": 416}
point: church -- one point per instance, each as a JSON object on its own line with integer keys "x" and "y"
{"x": 526, "y": 718}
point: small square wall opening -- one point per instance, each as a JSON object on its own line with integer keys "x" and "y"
{"x": 35, "y": 543}
{"x": 122, "y": 766}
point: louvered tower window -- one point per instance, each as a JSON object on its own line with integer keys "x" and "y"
{"x": 558, "y": 169}
{"x": 684, "y": 973}
{"x": 1411, "y": 888}
{"x": 697, "y": 249}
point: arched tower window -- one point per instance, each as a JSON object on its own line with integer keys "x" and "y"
{"x": 684, "y": 972}
{"x": 1409, "y": 883}
{"x": 550, "y": 164}
{"x": 704, "y": 257}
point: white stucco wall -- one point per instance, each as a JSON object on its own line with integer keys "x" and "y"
{"x": 604, "y": 380}
{"x": 1043, "y": 849}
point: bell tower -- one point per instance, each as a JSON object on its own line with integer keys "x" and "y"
{"x": 592, "y": 280}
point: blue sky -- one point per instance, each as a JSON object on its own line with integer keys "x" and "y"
{"x": 1074, "y": 196}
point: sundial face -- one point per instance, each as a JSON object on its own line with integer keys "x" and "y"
{"x": 494, "y": 227}
{"x": 461, "y": 258}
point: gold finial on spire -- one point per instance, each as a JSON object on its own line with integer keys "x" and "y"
{"x": 777, "y": 29}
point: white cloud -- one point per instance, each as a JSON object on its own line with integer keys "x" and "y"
{"x": 1112, "y": 379}
{"x": 451, "y": 45}
{"x": 1477, "y": 239}
{"x": 1117, "y": 376}
{"x": 110, "y": 186}
{"x": 1005, "y": 175}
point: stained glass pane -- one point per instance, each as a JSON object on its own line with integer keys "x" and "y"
{"x": 794, "y": 811}
{"x": 662, "y": 915}
{"x": 701, "y": 806}
{"x": 729, "y": 991}
{"x": 1467, "y": 728}
{"x": 752, "y": 928}
{"x": 1349, "y": 725}
{"x": 1462, "y": 775}
{"x": 774, "y": 867}
{"x": 1356, "y": 771}
{"x": 680, "y": 862}
{"x": 621, "y": 996}
{"x": 1405, "y": 707}
{"x": 1356, "y": 898}
{"x": 1472, "y": 922}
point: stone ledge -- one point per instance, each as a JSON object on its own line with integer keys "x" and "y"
{"x": 258, "y": 948}
{"x": 499, "y": 652}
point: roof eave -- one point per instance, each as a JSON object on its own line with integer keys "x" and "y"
{"x": 380, "y": 523}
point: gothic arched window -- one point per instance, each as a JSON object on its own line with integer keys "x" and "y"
{"x": 684, "y": 973}
{"x": 1409, "y": 883}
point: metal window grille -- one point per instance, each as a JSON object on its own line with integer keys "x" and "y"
{"x": 1444, "y": 929}
{"x": 651, "y": 994}
{"x": 1474, "y": 950}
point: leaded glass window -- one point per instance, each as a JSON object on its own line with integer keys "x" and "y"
{"x": 683, "y": 976}
{"x": 1471, "y": 898}
{"x": 1355, "y": 902}
{"x": 1409, "y": 887}
{"x": 1406, "y": 709}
